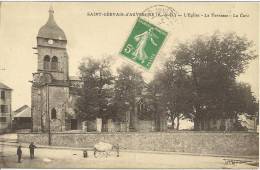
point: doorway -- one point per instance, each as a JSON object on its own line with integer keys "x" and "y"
{"x": 74, "y": 124}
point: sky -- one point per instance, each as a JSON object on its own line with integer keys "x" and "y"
{"x": 102, "y": 36}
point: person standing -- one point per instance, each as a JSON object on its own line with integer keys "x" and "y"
{"x": 32, "y": 147}
{"x": 19, "y": 153}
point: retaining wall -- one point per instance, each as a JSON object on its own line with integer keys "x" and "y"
{"x": 235, "y": 144}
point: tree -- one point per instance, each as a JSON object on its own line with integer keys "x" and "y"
{"x": 175, "y": 91}
{"x": 129, "y": 85}
{"x": 97, "y": 91}
{"x": 243, "y": 100}
{"x": 155, "y": 105}
{"x": 214, "y": 62}
{"x": 240, "y": 101}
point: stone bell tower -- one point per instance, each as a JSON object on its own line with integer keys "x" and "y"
{"x": 50, "y": 85}
{"x": 52, "y": 53}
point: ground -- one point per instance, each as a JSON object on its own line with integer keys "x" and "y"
{"x": 72, "y": 158}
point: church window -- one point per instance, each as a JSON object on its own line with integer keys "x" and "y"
{"x": 46, "y": 63}
{"x": 140, "y": 106}
{"x": 54, "y": 63}
{"x": 53, "y": 114}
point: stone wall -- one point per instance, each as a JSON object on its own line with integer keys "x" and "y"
{"x": 215, "y": 124}
{"x": 145, "y": 126}
{"x": 235, "y": 144}
{"x": 37, "y": 106}
{"x": 58, "y": 100}
{"x": 113, "y": 126}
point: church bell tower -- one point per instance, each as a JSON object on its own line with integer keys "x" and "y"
{"x": 52, "y": 53}
{"x": 50, "y": 85}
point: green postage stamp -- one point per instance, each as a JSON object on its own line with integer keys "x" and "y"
{"x": 144, "y": 43}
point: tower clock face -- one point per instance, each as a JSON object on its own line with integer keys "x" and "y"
{"x": 50, "y": 41}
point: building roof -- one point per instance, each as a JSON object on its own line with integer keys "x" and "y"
{"x": 24, "y": 111}
{"x": 3, "y": 86}
{"x": 51, "y": 30}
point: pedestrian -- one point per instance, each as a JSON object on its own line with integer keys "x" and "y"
{"x": 19, "y": 153}
{"x": 32, "y": 147}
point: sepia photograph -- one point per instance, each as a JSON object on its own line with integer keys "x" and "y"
{"x": 129, "y": 85}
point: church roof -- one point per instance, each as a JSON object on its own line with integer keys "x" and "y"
{"x": 51, "y": 30}
{"x": 3, "y": 86}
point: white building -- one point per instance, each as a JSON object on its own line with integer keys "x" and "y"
{"x": 5, "y": 108}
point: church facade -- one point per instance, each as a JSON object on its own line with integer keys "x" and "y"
{"x": 53, "y": 92}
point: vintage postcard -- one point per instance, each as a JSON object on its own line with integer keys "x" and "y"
{"x": 129, "y": 85}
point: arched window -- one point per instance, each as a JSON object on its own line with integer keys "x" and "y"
{"x": 54, "y": 63}
{"x": 46, "y": 62}
{"x": 53, "y": 114}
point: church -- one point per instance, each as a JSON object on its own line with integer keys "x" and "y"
{"x": 53, "y": 91}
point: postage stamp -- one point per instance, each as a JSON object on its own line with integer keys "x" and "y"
{"x": 144, "y": 43}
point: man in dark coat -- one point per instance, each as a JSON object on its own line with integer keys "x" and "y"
{"x": 19, "y": 153}
{"x": 32, "y": 147}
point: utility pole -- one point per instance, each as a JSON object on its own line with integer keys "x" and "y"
{"x": 48, "y": 113}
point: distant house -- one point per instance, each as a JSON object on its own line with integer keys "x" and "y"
{"x": 22, "y": 118}
{"x": 5, "y": 108}
{"x": 249, "y": 122}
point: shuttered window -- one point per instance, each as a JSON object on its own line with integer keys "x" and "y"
{"x": 2, "y": 119}
{"x": 3, "y": 95}
{"x": 4, "y": 109}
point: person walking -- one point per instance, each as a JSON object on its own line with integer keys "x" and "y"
{"x": 19, "y": 153}
{"x": 32, "y": 147}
